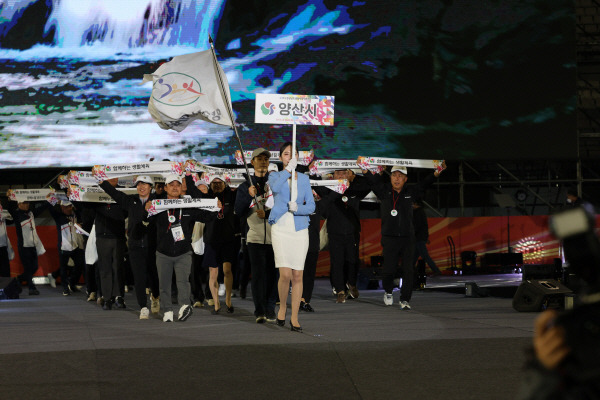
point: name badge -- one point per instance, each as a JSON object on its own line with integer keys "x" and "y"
{"x": 344, "y": 199}
{"x": 394, "y": 213}
{"x": 177, "y": 232}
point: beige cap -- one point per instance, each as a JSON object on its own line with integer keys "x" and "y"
{"x": 399, "y": 169}
{"x": 260, "y": 151}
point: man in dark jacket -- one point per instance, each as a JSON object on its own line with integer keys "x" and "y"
{"x": 343, "y": 230}
{"x": 141, "y": 240}
{"x": 397, "y": 230}
{"x": 174, "y": 229}
{"x": 258, "y": 236}
{"x": 109, "y": 222}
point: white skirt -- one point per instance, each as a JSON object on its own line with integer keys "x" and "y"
{"x": 290, "y": 247}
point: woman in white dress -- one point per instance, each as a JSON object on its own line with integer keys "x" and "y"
{"x": 289, "y": 232}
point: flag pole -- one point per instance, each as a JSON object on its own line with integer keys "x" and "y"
{"x": 230, "y": 112}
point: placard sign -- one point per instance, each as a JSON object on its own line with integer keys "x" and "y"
{"x": 290, "y": 109}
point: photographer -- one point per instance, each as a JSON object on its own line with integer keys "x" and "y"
{"x": 564, "y": 362}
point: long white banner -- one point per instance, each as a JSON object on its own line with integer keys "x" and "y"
{"x": 94, "y": 194}
{"x": 337, "y": 185}
{"x": 108, "y": 171}
{"x": 366, "y": 162}
{"x": 161, "y": 205}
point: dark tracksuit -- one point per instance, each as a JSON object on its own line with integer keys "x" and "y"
{"x": 28, "y": 255}
{"x": 172, "y": 256}
{"x": 262, "y": 259}
{"x": 219, "y": 233}
{"x": 141, "y": 242}
{"x": 76, "y": 253}
{"x": 397, "y": 232}
{"x": 109, "y": 223}
{"x": 343, "y": 230}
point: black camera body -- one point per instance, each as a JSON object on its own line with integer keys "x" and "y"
{"x": 575, "y": 227}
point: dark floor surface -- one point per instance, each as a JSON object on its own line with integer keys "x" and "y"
{"x": 447, "y": 347}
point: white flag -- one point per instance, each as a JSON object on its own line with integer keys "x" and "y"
{"x": 187, "y": 88}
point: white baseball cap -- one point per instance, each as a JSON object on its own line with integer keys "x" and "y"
{"x": 212, "y": 177}
{"x": 65, "y": 203}
{"x": 400, "y": 169}
{"x": 172, "y": 177}
{"x": 272, "y": 168}
{"x": 144, "y": 179}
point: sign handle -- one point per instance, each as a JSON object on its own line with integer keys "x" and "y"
{"x": 292, "y": 189}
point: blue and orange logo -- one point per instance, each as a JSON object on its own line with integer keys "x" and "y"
{"x": 268, "y": 108}
{"x": 176, "y": 89}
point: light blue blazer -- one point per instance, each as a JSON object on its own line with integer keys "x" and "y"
{"x": 278, "y": 182}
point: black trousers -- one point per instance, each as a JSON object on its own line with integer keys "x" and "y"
{"x": 244, "y": 269}
{"x": 264, "y": 278}
{"x": 29, "y": 259}
{"x": 4, "y": 262}
{"x": 78, "y": 256}
{"x": 394, "y": 249}
{"x": 343, "y": 252}
{"x": 92, "y": 279}
{"x": 110, "y": 265}
{"x": 308, "y": 277}
{"x": 143, "y": 267}
{"x": 198, "y": 278}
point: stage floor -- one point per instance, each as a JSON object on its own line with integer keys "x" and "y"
{"x": 448, "y": 346}
{"x": 491, "y": 280}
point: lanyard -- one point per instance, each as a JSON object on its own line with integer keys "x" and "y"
{"x": 171, "y": 220}
{"x": 395, "y": 199}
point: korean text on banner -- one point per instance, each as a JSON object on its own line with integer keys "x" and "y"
{"x": 289, "y": 109}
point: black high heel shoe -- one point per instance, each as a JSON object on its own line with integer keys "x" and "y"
{"x": 215, "y": 312}
{"x": 229, "y": 309}
{"x": 280, "y": 322}
{"x": 295, "y": 328}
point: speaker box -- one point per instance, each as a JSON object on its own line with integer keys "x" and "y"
{"x": 9, "y": 288}
{"x": 469, "y": 262}
{"x": 537, "y": 295}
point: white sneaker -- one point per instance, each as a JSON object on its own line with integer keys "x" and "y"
{"x": 51, "y": 280}
{"x": 222, "y": 289}
{"x": 184, "y": 313}
{"x": 404, "y": 305}
{"x": 155, "y": 306}
{"x": 168, "y": 317}
{"x": 144, "y": 313}
{"x": 388, "y": 299}
{"x": 91, "y": 296}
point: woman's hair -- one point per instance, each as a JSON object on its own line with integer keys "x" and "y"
{"x": 283, "y": 147}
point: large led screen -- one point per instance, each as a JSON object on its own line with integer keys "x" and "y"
{"x": 463, "y": 79}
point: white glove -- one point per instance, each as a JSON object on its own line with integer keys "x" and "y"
{"x": 292, "y": 165}
{"x": 292, "y": 206}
